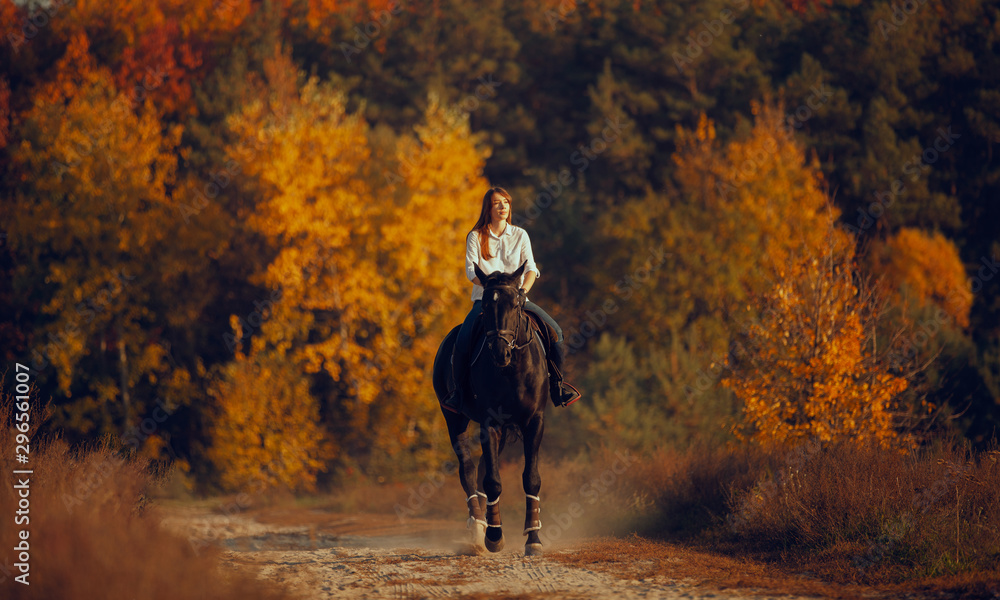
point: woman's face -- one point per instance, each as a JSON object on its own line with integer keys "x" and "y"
{"x": 500, "y": 210}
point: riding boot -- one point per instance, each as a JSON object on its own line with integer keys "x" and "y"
{"x": 456, "y": 400}
{"x": 563, "y": 394}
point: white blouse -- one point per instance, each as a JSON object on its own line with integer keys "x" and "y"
{"x": 509, "y": 250}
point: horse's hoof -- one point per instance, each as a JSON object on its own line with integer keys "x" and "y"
{"x": 467, "y": 549}
{"x": 477, "y": 535}
{"x": 494, "y": 545}
{"x": 533, "y": 549}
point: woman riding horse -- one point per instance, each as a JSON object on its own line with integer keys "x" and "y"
{"x": 495, "y": 244}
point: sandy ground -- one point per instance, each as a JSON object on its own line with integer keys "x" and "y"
{"x": 317, "y": 555}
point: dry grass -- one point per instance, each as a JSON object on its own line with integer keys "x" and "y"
{"x": 853, "y": 515}
{"x": 891, "y": 516}
{"x": 705, "y": 567}
{"x": 88, "y": 536}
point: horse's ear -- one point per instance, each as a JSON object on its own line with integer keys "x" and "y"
{"x": 520, "y": 270}
{"x": 479, "y": 274}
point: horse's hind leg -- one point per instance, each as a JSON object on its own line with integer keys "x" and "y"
{"x": 532, "y": 482}
{"x": 491, "y": 483}
{"x": 457, "y": 431}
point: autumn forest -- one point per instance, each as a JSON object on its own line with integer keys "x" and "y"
{"x": 232, "y": 232}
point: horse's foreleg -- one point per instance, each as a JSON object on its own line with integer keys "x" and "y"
{"x": 532, "y": 482}
{"x": 457, "y": 431}
{"x": 491, "y": 484}
{"x": 482, "y": 476}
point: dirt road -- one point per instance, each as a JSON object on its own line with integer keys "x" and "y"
{"x": 317, "y": 555}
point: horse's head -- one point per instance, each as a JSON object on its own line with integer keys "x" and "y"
{"x": 503, "y": 312}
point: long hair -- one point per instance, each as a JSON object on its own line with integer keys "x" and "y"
{"x": 483, "y": 224}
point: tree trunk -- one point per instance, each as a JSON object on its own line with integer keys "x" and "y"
{"x": 123, "y": 363}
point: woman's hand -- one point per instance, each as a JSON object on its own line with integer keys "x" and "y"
{"x": 529, "y": 280}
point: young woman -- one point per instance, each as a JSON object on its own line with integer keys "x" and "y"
{"x": 497, "y": 245}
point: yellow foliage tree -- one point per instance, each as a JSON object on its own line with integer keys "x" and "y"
{"x": 741, "y": 212}
{"x": 763, "y": 198}
{"x": 265, "y": 432}
{"x": 925, "y": 268}
{"x": 369, "y": 227}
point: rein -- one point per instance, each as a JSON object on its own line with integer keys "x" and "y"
{"x": 508, "y": 336}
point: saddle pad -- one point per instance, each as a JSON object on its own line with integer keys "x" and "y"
{"x": 542, "y": 331}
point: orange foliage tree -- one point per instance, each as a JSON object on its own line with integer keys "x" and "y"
{"x": 925, "y": 269}
{"x": 806, "y": 368}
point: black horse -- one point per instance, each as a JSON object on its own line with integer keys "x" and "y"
{"x": 510, "y": 393}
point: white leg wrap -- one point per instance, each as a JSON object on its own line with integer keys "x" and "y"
{"x": 535, "y": 498}
{"x": 472, "y": 522}
{"x": 469, "y": 498}
{"x": 488, "y": 503}
{"x": 535, "y": 528}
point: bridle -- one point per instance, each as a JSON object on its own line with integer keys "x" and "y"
{"x": 508, "y": 336}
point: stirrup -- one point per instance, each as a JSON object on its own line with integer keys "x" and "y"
{"x": 567, "y": 396}
{"x": 449, "y": 402}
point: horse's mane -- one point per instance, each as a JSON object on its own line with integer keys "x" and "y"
{"x": 499, "y": 278}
